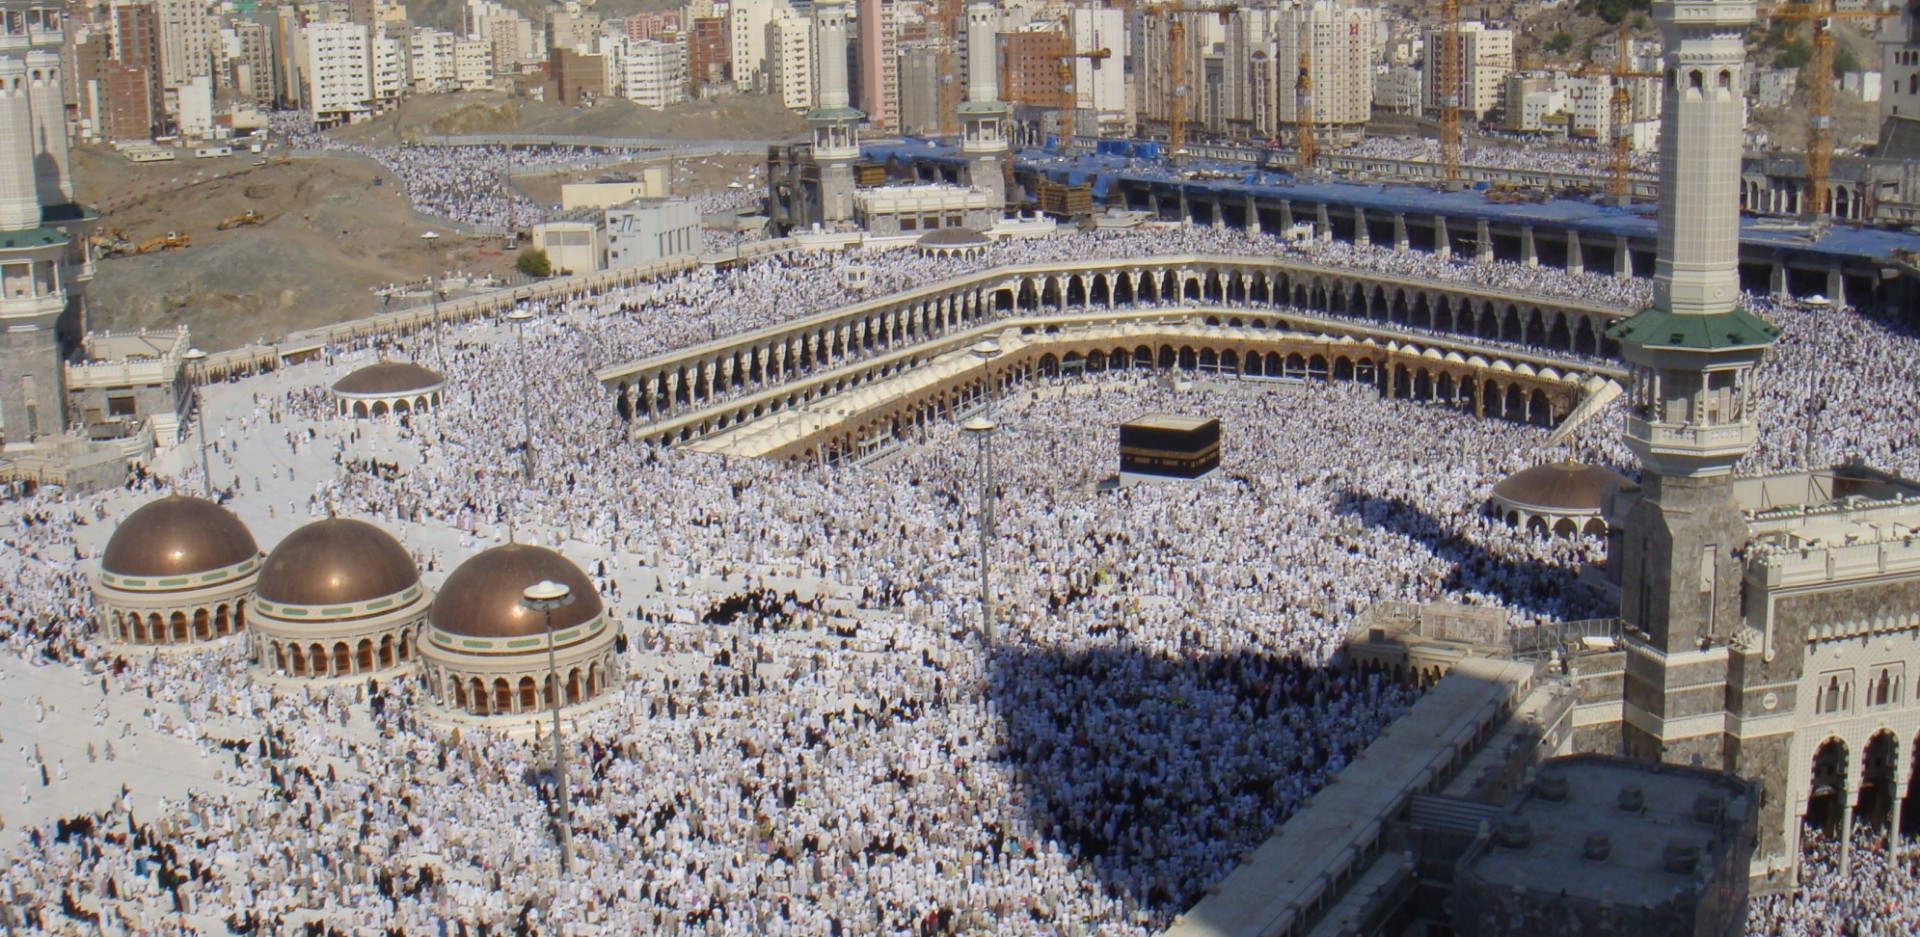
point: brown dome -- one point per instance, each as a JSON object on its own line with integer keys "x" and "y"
{"x": 336, "y": 561}
{"x": 389, "y": 377}
{"x": 177, "y": 536}
{"x": 482, "y": 597}
{"x": 1561, "y": 487}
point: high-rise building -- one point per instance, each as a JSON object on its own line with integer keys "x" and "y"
{"x": 747, "y": 20}
{"x": 339, "y": 73}
{"x": 576, "y": 76}
{"x": 788, "y": 66}
{"x": 253, "y": 76}
{"x": 879, "y": 63}
{"x": 1031, "y": 60}
{"x": 1486, "y": 56}
{"x": 387, "y": 67}
{"x": 431, "y": 62}
{"x": 1099, "y": 80}
{"x": 708, "y": 61}
{"x": 654, "y": 73}
{"x": 1338, "y": 39}
{"x": 919, "y": 72}
{"x": 188, "y": 33}
{"x": 117, "y": 75}
{"x": 473, "y": 64}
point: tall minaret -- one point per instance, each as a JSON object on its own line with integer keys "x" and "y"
{"x": 1690, "y": 418}
{"x": 19, "y": 193}
{"x": 40, "y": 259}
{"x": 50, "y": 165}
{"x": 983, "y": 116}
{"x": 836, "y": 123}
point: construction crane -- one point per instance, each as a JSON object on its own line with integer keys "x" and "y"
{"x": 1620, "y": 156}
{"x": 1177, "y": 65}
{"x": 1449, "y": 90}
{"x": 1303, "y": 112}
{"x": 1068, "y": 92}
{"x": 1820, "y": 90}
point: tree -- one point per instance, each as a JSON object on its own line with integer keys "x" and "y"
{"x": 534, "y": 263}
{"x": 1560, "y": 42}
{"x": 1612, "y": 11}
{"x": 1844, "y": 61}
{"x": 1794, "y": 53}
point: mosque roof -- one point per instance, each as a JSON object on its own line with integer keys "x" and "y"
{"x": 482, "y": 597}
{"x": 336, "y": 561}
{"x": 389, "y": 377}
{"x": 1564, "y": 487}
{"x": 178, "y": 536}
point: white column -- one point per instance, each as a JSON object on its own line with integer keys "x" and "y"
{"x": 983, "y": 78}
{"x": 19, "y": 200}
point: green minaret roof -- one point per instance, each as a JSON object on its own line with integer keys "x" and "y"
{"x": 1657, "y": 328}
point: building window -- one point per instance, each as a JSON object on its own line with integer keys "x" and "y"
{"x": 1883, "y": 688}
{"x": 121, "y": 405}
{"x": 1834, "y": 692}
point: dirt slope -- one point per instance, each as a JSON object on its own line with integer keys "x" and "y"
{"x": 331, "y": 236}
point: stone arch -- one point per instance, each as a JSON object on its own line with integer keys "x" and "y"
{"x": 1879, "y": 768}
{"x": 1827, "y": 791}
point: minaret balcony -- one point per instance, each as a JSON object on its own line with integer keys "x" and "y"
{"x": 1708, "y": 441}
{"x": 29, "y": 306}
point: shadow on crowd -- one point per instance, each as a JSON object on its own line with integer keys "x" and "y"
{"x": 1141, "y": 763}
{"x": 1527, "y": 585}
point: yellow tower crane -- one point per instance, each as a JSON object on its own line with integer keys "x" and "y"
{"x": 1819, "y": 74}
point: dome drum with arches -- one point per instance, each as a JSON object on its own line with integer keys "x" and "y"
{"x": 1564, "y": 499}
{"x": 388, "y": 387}
{"x": 177, "y": 571}
{"x": 336, "y": 598}
{"x": 484, "y": 653}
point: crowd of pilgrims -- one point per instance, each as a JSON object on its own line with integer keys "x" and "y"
{"x": 1517, "y": 152}
{"x": 1159, "y": 688}
{"x": 466, "y": 184}
{"x": 1874, "y": 898}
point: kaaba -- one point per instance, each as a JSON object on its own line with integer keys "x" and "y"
{"x": 1165, "y": 446}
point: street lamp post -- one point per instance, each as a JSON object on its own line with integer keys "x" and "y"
{"x": 982, "y": 429}
{"x": 986, "y": 351}
{"x": 194, "y": 357}
{"x": 519, "y": 318}
{"x": 545, "y": 596}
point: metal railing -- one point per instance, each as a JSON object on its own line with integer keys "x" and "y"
{"x": 1540, "y": 641}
